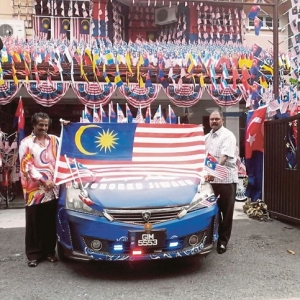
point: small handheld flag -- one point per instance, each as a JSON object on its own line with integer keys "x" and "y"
{"x": 20, "y": 118}
{"x": 128, "y": 114}
{"x": 212, "y": 167}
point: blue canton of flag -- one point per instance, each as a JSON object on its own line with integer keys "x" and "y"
{"x": 88, "y": 141}
{"x": 171, "y": 117}
{"x": 86, "y": 115}
{"x": 258, "y": 23}
{"x": 254, "y": 11}
{"x": 211, "y": 200}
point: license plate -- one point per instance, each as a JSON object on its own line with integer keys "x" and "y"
{"x": 153, "y": 239}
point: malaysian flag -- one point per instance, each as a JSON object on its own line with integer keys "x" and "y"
{"x": 81, "y": 29}
{"x": 61, "y": 26}
{"x": 115, "y": 150}
{"x": 86, "y": 115}
{"x": 78, "y": 168}
{"x": 104, "y": 117}
{"x": 254, "y": 12}
{"x": 120, "y": 113}
{"x": 20, "y": 120}
{"x": 148, "y": 115}
{"x": 157, "y": 116}
{"x": 41, "y": 26}
{"x": 210, "y": 201}
{"x": 111, "y": 113}
{"x": 139, "y": 116}
{"x": 171, "y": 117}
{"x": 128, "y": 114}
{"x": 212, "y": 167}
{"x": 96, "y": 118}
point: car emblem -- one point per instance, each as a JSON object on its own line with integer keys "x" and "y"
{"x": 146, "y": 215}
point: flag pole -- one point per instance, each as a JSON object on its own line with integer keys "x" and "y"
{"x": 109, "y": 112}
{"x": 100, "y": 112}
{"x": 94, "y": 112}
{"x": 117, "y": 112}
{"x": 160, "y": 113}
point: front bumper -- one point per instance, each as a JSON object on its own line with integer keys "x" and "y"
{"x": 77, "y": 231}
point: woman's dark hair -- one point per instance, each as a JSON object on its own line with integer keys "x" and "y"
{"x": 39, "y": 115}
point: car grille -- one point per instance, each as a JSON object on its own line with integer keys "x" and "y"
{"x": 136, "y": 216}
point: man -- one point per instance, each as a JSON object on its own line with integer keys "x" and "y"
{"x": 221, "y": 143}
{"x": 37, "y": 155}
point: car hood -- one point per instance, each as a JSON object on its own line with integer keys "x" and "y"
{"x": 143, "y": 192}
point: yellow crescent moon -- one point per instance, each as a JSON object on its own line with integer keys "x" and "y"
{"x": 78, "y": 139}
{"x": 85, "y": 21}
{"x": 65, "y": 21}
{"x": 47, "y": 19}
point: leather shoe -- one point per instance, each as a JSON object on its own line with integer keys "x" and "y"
{"x": 51, "y": 258}
{"x": 221, "y": 249}
{"x": 33, "y": 263}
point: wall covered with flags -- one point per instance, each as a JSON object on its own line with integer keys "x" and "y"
{"x": 81, "y": 45}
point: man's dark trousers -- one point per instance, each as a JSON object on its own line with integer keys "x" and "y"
{"x": 226, "y": 193}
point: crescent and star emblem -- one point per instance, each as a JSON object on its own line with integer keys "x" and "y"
{"x": 85, "y": 26}
{"x": 66, "y": 24}
{"x": 78, "y": 135}
{"x": 45, "y": 22}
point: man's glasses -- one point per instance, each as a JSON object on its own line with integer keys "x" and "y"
{"x": 215, "y": 119}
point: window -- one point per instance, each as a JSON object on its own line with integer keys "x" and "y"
{"x": 267, "y": 22}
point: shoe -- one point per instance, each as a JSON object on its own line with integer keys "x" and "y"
{"x": 221, "y": 249}
{"x": 33, "y": 263}
{"x": 52, "y": 258}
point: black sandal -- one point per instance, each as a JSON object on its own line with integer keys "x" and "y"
{"x": 33, "y": 263}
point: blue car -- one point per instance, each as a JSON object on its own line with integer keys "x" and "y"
{"x": 136, "y": 219}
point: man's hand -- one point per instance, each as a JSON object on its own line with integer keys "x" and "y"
{"x": 64, "y": 122}
{"x": 48, "y": 184}
{"x": 209, "y": 178}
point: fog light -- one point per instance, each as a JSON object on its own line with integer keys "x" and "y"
{"x": 173, "y": 244}
{"x": 96, "y": 245}
{"x": 193, "y": 240}
{"x": 118, "y": 247}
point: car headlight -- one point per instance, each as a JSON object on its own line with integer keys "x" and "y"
{"x": 205, "y": 197}
{"x": 79, "y": 200}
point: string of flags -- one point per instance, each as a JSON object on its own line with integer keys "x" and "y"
{"x": 98, "y": 115}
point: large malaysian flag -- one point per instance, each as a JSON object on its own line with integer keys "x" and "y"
{"x": 81, "y": 29}
{"x": 114, "y": 150}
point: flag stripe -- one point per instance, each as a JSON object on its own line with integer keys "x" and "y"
{"x": 110, "y": 171}
{"x": 188, "y": 145}
{"x": 218, "y": 172}
{"x": 176, "y": 148}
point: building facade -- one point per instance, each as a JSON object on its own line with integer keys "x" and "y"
{"x": 124, "y": 21}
